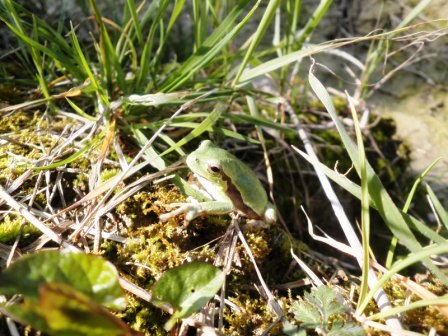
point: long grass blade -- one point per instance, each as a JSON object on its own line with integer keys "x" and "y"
{"x": 365, "y": 205}
{"x": 256, "y": 38}
{"x": 72, "y": 157}
{"x": 441, "y": 212}
{"x": 313, "y": 22}
{"x": 440, "y": 301}
{"x": 135, "y": 20}
{"x": 355, "y": 190}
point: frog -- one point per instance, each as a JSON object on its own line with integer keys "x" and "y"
{"x": 230, "y": 186}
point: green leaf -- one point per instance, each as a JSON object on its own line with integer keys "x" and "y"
{"x": 187, "y": 288}
{"x": 307, "y": 314}
{"x": 346, "y": 329}
{"x": 325, "y": 299}
{"x": 317, "y": 307}
{"x": 290, "y": 329}
{"x": 91, "y": 275}
{"x": 62, "y": 310}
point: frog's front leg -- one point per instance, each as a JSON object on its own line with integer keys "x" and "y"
{"x": 196, "y": 209}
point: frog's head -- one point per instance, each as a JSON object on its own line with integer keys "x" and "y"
{"x": 206, "y": 161}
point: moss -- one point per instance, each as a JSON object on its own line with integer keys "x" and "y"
{"x": 423, "y": 319}
{"x": 259, "y": 242}
{"x": 10, "y": 227}
{"x": 250, "y": 317}
{"x": 153, "y": 245}
{"x": 107, "y": 174}
{"x": 144, "y": 317}
{"x": 152, "y": 249}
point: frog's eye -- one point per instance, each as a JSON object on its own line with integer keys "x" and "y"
{"x": 214, "y": 169}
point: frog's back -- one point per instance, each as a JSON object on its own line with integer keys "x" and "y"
{"x": 243, "y": 187}
{"x": 244, "y": 182}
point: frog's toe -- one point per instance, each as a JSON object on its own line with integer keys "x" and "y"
{"x": 166, "y": 216}
{"x": 190, "y": 215}
{"x": 191, "y": 211}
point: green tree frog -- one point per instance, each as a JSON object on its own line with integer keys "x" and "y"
{"x": 230, "y": 185}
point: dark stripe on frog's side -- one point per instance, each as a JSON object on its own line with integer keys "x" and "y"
{"x": 235, "y": 196}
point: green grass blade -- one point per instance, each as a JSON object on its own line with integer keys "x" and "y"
{"x": 39, "y": 64}
{"x": 417, "y": 183}
{"x": 355, "y": 190}
{"x": 71, "y": 158}
{"x": 439, "y": 301}
{"x": 52, "y": 53}
{"x": 199, "y": 22}
{"x": 250, "y": 74}
{"x": 55, "y": 47}
{"x": 237, "y": 118}
{"x": 153, "y": 157}
{"x": 416, "y": 11}
{"x": 135, "y": 20}
{"x": 84, "y": 64}
{"x": 441, "y": 212}
{"x": 256, "y": 38}
{"x": 113, "y": 71}
{"x": 365, "y": 206}
{"x": 313, "y": 22}
{"x": 79, "y": 110}
{"x": 178, "y": 6}
{"x": 148, "y": 61}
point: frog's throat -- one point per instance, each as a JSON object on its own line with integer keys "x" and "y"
{"x": 235, "y": 196}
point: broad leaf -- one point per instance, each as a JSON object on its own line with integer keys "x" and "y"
{"x": 187, "y": 289}
{"x": 91, "y": 275}
{"x": 64, "y": 311}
